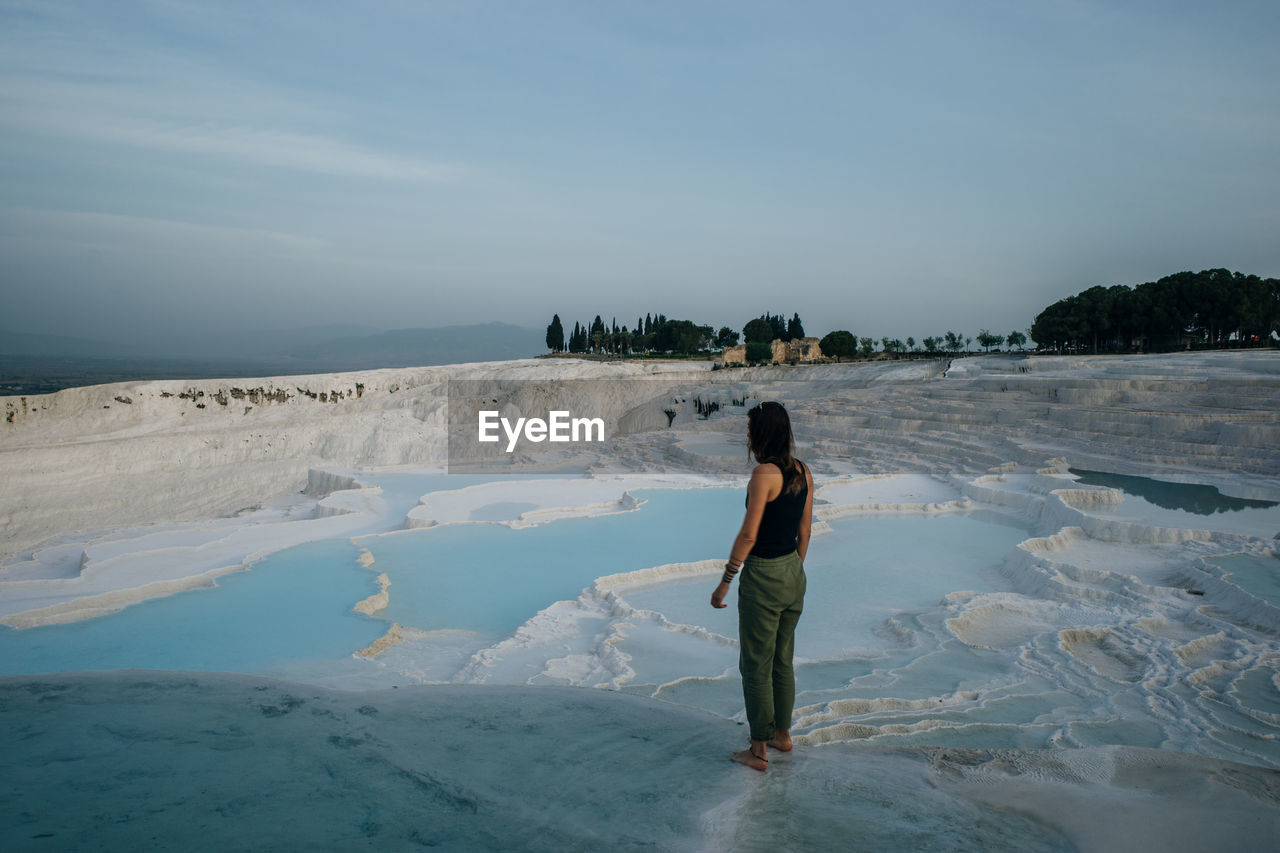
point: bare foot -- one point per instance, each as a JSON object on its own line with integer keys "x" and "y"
{"x": 750, "y": 759}
{"x": 781, "y": 742}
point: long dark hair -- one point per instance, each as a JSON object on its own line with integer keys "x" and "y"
{"x": 769, "y": 439}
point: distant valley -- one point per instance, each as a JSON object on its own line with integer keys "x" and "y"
{"x": 42, "y": 364}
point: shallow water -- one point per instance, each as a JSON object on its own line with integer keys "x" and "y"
{"x": 1185, "y": 505}
{"x": 294, "y": 605}
{"x": 865, "y": 571}
{"x": 491, "y": 578}
{"x": 1186, "y": 497}
{"x": 919, "y": 628}
{"x": 1258, "y": 575}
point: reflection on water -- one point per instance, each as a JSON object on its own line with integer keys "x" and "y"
{"x": 1187, "y": 497}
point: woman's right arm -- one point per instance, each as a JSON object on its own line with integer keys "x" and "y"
{"x": 757, "y": 497}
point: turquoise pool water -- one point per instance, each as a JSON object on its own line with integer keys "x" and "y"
{"x": 294, "y": 608}
{"x": 491, "y": 578}
{"x": 865, "y": 571}
{"x": 294, "y": 605}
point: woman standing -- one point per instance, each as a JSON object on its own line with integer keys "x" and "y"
{"x": 770, "y": 549}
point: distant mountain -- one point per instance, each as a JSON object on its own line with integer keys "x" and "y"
{"x": 61, "y": 346}
{"x": 203, "y": 343}
{"x": 416, "y": 347}
{"x": 226, "y": 340}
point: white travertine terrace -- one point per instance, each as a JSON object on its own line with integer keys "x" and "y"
{"x": 1105, "y": 627}
{"x": 82, "y": 460}
{"x": 537, "y": 501}
{"x": 907, "y": 436}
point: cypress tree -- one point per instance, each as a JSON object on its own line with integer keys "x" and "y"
{"x": 555, "y": 335}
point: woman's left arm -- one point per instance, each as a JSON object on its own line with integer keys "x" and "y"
{"x": 806, "y": 518}
{"x": 757, "y": 497}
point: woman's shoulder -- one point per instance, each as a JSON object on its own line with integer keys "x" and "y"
{"x": 768, "y": 474}
{"x": 771, "y": 470}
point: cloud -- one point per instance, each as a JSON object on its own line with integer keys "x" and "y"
{"x": 131, "y": 234}
{"x": 158, "y": 99}
{"x": 305, "y": 152}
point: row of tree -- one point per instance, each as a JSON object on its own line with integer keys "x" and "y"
{"x": 653, "y": 333}
{"x": 656, "y": 333}
{"x": 844, "y": 344}
{"x": 1211, "y": 308}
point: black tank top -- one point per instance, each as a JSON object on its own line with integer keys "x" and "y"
{"x": 780, "y": 523}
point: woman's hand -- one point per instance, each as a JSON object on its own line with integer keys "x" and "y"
{"x": 717, "y": 597}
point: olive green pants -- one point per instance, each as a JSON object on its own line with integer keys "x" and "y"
{"x": 770, "y": 598}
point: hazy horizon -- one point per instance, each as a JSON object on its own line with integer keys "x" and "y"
{"x": 179, "y": 171}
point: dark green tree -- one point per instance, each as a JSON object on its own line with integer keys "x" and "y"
{"x": 597, "y": 337}
{"x": 758, "y": 352}
{"x": 758, "y": 331}
{"x": 680, "y": 336}
{"x": 1259, "y": 309}
{"x": 839, "y": 344}
{"x": 795, "y": 329}
{"x": 986, "y": 340}
{"x": 1216, "y": 308}
{"x": 555, "y": 335}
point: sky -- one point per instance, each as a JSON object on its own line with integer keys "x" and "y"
{"x": 891, "y": 169}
